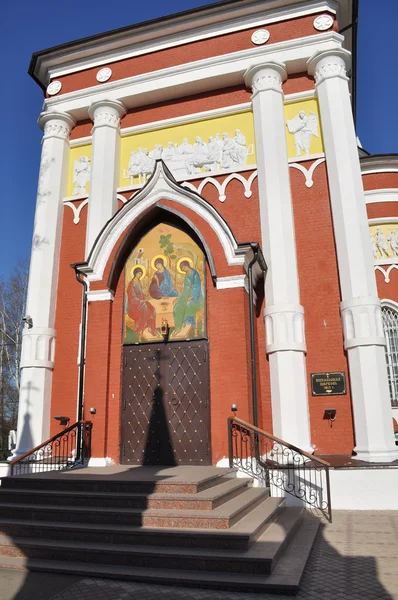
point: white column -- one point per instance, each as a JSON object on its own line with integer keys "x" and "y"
{"x": 105, "y": 166}
{"x": 284, "y": 316}
{"x": 360, "y": 307}
{"x": 38, "y": 345}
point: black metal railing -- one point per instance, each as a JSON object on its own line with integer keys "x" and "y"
{"x": 67, "y": 449}
{"x": 280, "y": 465}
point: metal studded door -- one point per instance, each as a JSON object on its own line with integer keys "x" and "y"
{"x": 166, "y": 409}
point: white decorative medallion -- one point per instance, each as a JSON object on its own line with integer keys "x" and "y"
{"x": 104, "y": 74}
{"x": 53, "y": 88}
{"x": 261, "y": 36}
{"x": 323, "y": 22}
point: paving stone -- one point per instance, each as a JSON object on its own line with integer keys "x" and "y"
{"x": 354, "y": 558}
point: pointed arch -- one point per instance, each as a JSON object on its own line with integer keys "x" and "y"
{"x": 161, "y": 186}
{"x": 152, "y": 216}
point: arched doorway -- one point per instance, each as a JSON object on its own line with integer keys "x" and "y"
{"x": 165, "y": 400}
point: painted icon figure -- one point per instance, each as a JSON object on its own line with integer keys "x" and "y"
{"x": 161, "y": 285}
{"x": 138, "y": 308}
{"x": 191, "y": 299}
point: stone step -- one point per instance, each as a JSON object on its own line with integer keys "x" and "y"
{"x": 285, "y": 577}
{"x": 258, "y": 559}
{"x": 222, "y": 517}
{"x": 145, "y": 480}
{"x": 224, "y": 489}
{"x": 239, "y": 537}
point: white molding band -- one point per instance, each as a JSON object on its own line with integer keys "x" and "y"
{"x": 381, "y": 195}
{"x": 284, "y": 317}
{"x": 231, "y": 282}
{"x": 224, "y": 111}
{"x": 195, "y": 77}
{"x": 360, "y": 307}
{"x": 100, "y": 296}
{"x": 38, "y": 343}
{"x": 238, "y": 18}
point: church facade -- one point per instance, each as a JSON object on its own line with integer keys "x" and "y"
{"x": 208, "y": 233}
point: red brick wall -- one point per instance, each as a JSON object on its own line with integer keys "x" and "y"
{"x": 190, "y": 52}
{"x": 67, "y": 321}
{"x": 320, "y": 296}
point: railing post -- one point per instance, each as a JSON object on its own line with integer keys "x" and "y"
{"x": 230, "y": 449}
{"x": 328, "y": 493}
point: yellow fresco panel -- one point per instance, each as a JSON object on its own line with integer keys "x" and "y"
{"x": 303, "y": 118}
{"x": 303, "y": 134}
{"x": 384, "y": 240}
{"x": 190, "y": 131}
{"x": 79, "y": 170}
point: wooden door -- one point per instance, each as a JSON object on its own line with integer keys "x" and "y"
{"x": 166, "y": 408}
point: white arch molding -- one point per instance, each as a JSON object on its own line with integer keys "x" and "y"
{"x": 161, "y": 186}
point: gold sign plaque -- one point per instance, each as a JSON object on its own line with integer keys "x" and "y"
{"x": 328, "y": 384}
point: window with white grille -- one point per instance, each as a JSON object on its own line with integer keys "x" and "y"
{"x": 390, "y": 324}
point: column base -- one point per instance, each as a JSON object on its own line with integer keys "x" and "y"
{"x": 289, "y": 397}
{"x": 100, "y": 462}
{"x": 377, "y": 456}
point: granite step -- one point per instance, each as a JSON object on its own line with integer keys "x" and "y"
{"x": 222, "y": 517}
{"x": 146, "y": 480}
{"x": 223, "y": 490}
{"x": 258, "y": 559}
{"x": 238, "y": 537}
{"x": 285, "y": 578}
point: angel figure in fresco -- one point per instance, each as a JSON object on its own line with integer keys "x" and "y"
{"x": 240, "y": 147}
{"x": 138, "y": 308}
{"x": 81, "y": 175}
{"x": 161, "y": 285}
{"x": 393, "y": 239}
{"x": 303, "y": 127}
{"x": 191, "y": 299}
{"x": 381, "y": 242}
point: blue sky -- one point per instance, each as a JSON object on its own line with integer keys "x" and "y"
{"x": 28, "y": 26}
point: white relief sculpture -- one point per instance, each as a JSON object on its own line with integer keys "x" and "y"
{"x": 303, "y": 127}
{"x": 381, "y": 242}
{"x": 104, "y": 74}
{"x": 323, "y": 22}
{"x": 373, "y": 245}
{"x": 393, "y": 239}
{"x": 234, "y": 152}
{"x": 214, "y": 153}
{"x": 53, "y": 88}
{"x": 186, "y": 159}
{"x": 261, "y": 36}
{"x": 81, "y": 175}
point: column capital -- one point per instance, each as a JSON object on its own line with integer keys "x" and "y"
{"x": 329, "y": 64}
{"x": 107, "y": 113}
{"x": 56, "y": 124}
{"x": 267, "y": 76}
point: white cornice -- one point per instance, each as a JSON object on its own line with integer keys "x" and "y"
{"x": 224, "y": 111}
{"x": 383, "y": 220}
{"x": 379, "y": 164}
{"x": 381, "y": 195}
{"x": 195, "y": 77}
{"x": 116, "y": 46}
